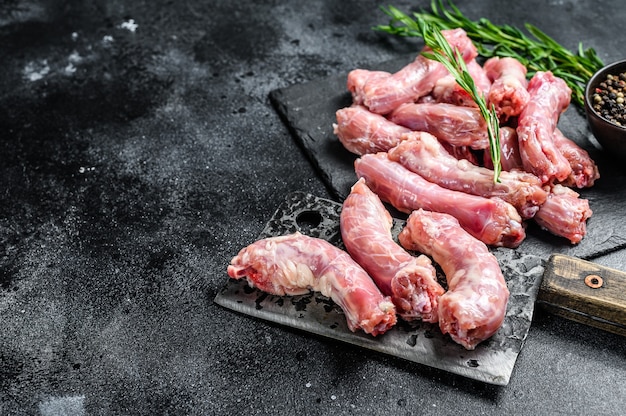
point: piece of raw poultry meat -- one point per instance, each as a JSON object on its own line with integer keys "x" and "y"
{"x": 382, "y": 94}
{"x": 564, "y": 214}
{"x": 474, "y": 307}
{"x": 510, "y": 158}
{"x": 508, "y": 93}
{"x": 360, "y": 131}
{"x": 410, "y": 281}
{"x": 422, "y": 153}
{"x": 462, "y": 152}
{"x": 549, "y": 97}
{"x": 491, "y": 220}
{"x": 584, "y": 170}
{"x": 454, "y": 124}
{"x": 357, "y": 80}
{"x": 447, "y": 90}
{"x": 295, "y": 264}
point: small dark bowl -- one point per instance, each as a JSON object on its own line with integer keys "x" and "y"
{"x": 611, "y": 136}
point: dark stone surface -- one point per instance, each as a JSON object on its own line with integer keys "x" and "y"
{"x": 135, "y": 163}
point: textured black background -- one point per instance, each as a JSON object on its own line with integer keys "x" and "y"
{"x": 135, "y": 164}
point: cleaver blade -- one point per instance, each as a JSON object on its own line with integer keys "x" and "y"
{"x": 491, "y": 362}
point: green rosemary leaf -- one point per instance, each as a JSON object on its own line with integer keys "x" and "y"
{"x": 441, "y": 51}
{"x": 534, "y": 48}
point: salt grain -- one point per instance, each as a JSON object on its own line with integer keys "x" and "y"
{"x": 130, "y": 25}
{"x": 75, "y": 57}
{"x": 70, "y": 68}
{"x": 34, "y": 71}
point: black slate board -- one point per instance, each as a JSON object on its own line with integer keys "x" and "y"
{"x": 308, "y": 110}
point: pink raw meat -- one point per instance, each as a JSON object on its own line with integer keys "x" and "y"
{"x": 584, "y": 169}
{"x": 361, "y": 131}
{"x": 447, "y": 90}
{"x": 358, "y": 78}
{"x": 461, "y": 152}
{"x": 549, "y": 97}
{"x": 296, "y": 264}
{"x": 410, "y": 281}
{"x": 564, "y": 214}
{"x": 491, "y": 220}
{"x": 508, "y": 92}
{"x": 474, "y": 307}
{"x": 457, "y": 125}
{"x": 381, "y": 94}
{"x": 422, "y": 153}
{"x": 510, "y": 158}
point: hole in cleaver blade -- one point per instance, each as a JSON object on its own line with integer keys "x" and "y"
{"x": 491, "y": 362}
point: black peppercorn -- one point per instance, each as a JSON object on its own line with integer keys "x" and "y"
{"x": 608, "y": 98}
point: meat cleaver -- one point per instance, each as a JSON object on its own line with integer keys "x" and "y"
{"x": 570, "y": 287}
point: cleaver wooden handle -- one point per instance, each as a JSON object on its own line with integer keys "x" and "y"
{"x": 585, "y": 292}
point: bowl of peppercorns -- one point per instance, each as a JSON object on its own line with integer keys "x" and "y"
{"x": 605, "y": 106}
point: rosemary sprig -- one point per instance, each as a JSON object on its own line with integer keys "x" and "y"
{"x": 536, "y": 50}
{"x": 441, "y": 51}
